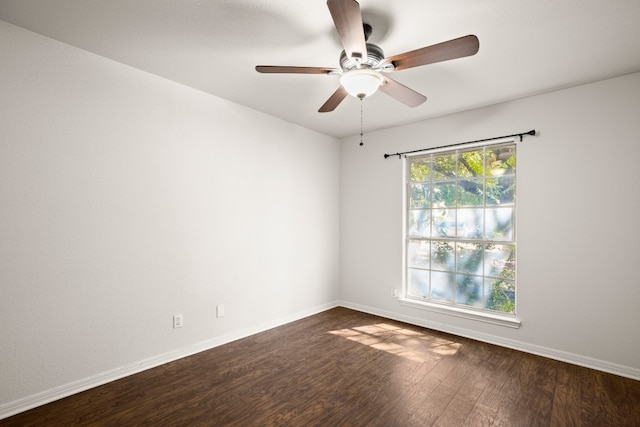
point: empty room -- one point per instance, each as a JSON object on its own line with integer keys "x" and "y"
{"x": 329, "y": 213}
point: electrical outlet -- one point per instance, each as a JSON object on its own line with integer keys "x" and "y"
{"x": 220, "y": 310}
{"x": 177, "y": 321}
{"x": 394, "y": 292}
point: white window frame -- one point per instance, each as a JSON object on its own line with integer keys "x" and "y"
{"x": 458, "y": 310}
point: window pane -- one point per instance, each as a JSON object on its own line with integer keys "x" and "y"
{"x": 444, "y": 194}
{"x": 469, "y": 258}
{"x": 419, "y": 253}
{"x": 419, "y": 223}
{"x": 500, "y": 261}
{"x": 471, "y": 192}
{"x": 442, "y": 285}
{"x": 444, "y": 166}
{"x": 500, "y": 295}
{"x": 443, "y": 256}
{"x": 419, "y": 195}
{"x": 470, "y": 223}
{"x": 470, "y": 163}
{"x": 444, "y": 222}
{"x": 499, "y": 223}
{"x": 418, "y": 283}
{"x": 420, "y": 169}
{"x": 502, "y": 190}
{"x": 469, "y": 290}
{"x": 501, "y": 160}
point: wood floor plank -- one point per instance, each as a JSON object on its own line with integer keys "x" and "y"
{"x": 347, "y": 368}
{"x": 456, "y": 413}
{"x": 481, "y": 416}
{"x": 565, "y": 412}
{"x": 433, "y": 406}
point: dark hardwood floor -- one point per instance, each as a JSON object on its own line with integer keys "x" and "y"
{"x": 346, "y": 368}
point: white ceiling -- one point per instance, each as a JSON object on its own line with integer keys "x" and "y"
{"x": 526, "y": 47}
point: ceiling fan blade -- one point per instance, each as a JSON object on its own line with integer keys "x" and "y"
{"x": 452, "y": 49}
{"x": 294, "y": 70}
{"x": 402, "y": 93}
{"x": 334, "y": 100}
{"x": 348, "y": 21}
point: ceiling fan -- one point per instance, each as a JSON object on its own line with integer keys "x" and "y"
{"x": 363, "y": 66}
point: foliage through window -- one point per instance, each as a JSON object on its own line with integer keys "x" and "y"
{"x": 461, "y": 235}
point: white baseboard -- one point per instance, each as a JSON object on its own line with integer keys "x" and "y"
{"x": 575, "y": 359}
{"x": 56, "y": 393}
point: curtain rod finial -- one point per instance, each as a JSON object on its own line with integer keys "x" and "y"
{"x": 532, "y": 132}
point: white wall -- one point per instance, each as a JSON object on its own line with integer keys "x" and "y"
{"x": 126, "y": 198}
{"x": 578, "y": 221}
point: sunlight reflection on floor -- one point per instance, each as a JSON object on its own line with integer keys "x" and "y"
{"x": 402, "y": 342}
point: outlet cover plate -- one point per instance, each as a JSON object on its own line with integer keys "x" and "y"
{"x": 177, "y": 321}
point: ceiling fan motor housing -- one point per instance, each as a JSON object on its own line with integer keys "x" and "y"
{"x": 374, "y": 56}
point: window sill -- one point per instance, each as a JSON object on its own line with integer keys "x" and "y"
{"x": 509, "y": 321}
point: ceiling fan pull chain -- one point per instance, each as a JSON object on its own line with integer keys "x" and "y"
{"x": 361, "y": 133}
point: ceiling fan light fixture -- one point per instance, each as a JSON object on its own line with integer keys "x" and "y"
{"x": 361, "y": 83}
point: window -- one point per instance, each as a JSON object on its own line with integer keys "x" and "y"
{"x": 460, "y": 250}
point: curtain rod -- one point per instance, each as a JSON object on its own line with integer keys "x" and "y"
{"x": 531, "y": 132}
